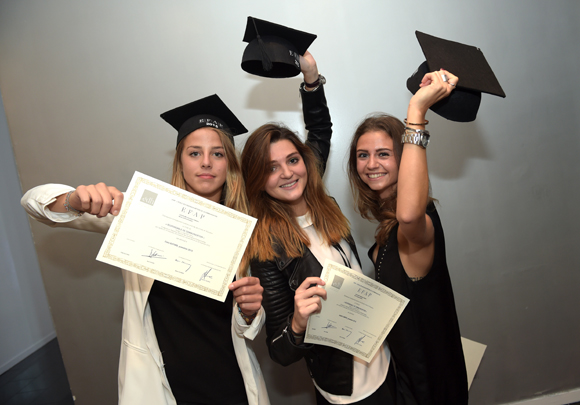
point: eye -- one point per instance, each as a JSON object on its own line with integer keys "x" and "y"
{"x": 194, "y": 153}
{"x": 362, "y": 155}
{"x": 218, "y": 154}
{"x": 294, "y": 160}
{"x": 384, "y": 154}
{"x": 272, "y": 169}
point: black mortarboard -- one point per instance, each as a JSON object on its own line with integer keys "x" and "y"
{"x": 205, "y": 112}
{"x": 273, "y": 50}
{"x": 466, "y": 62}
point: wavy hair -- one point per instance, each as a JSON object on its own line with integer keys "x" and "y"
{"x": 233, "y": 193}
{"x": 277, "y": 223}
{"x": 368, "y": 202}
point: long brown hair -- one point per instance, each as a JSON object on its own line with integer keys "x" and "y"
{"x": 276, "y": 221}
{"x": 233, "y": 193}
{"x": 368, "y": 202}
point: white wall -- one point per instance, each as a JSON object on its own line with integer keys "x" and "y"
{"x": 25, "y": 319}
{"x": 84, "y": 84}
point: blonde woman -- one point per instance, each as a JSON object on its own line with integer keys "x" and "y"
{"x": 178, "y": 347}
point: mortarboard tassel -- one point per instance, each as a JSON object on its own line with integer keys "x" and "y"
{"x": 266, "y": 61}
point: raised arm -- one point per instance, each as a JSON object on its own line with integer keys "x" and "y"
{"x": 46, "y": 204}
{"x": 95, "y": 199}
{"x": 415, "y": 233}
{"x": 316, "y": 114}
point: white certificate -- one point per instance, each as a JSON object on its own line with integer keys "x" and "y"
{"x": 176, "y": 237}
{"x": 358, "y": 312}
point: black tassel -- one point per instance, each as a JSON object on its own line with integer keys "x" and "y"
{"x": 266, "y": 61}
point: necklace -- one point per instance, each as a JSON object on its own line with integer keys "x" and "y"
{"x": 380, "y": 263}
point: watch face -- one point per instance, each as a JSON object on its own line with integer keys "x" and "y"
{"x": 424, "y": 141}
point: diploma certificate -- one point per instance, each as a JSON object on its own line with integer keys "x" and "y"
{"x": 358, "y": 312}
{"x": 177, "y": 237}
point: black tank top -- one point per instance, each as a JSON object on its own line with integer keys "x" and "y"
{"x": 194, "y": 335}
{"x": 425, "y": 341}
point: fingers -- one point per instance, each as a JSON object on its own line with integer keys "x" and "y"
{"x": 434, "y": 87}
{"x": 443, "y": 78}
{"x": 310, "y": 288}
{"x": 98, "y": 199}
{"x": 246, "y": 281}
{"x": 307, "y": 301}
{"x": 117, "y": 200}
{"x": 452, "y": 80}
{"x": 309, "y": 282}
{"x": 248, "y": 294}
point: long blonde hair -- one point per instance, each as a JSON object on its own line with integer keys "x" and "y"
{"x": 277, "y": 223}
{"x": 233, "y": 193}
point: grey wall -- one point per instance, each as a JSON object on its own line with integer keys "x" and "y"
{"x": 25, "y": 322}
{"x": 84, "y": 84}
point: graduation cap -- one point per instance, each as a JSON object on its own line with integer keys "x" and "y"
{"x": 466, "y": 62}
{"x": 205, "y": 112}
{"x": 273, "y": 50}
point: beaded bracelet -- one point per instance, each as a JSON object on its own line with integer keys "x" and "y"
{"x": 247, "y": 318}
{"x": 412, "y": 123}
{"x": 68, "y": 207}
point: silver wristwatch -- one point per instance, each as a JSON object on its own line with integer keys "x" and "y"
{"x": 416, "y": 137}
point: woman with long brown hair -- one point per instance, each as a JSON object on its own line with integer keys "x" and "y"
{"x": 389, "y": 177}
{"x": 299, "y": 227}
{"x": 178, "y": 347}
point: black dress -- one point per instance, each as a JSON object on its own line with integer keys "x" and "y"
{"x": 425, "y": 342}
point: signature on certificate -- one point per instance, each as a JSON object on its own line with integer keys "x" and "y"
{"x": 153, "y": 254}
{"x": 347, "y": 331}
{"x": 183, "y": 263}
{"x": 360, "y": 340}
{"x": 205, "y": 276}
{"x": 329, "y": 325}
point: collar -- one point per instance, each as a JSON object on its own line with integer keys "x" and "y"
{"x": 305, "y": 220}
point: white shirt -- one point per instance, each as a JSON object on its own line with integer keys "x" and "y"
{"x": 367, "y": 377}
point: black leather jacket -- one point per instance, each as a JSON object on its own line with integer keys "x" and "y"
{"x": 332, "y": 369}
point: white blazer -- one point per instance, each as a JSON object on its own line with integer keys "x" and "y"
{"x": 142, "y": 379}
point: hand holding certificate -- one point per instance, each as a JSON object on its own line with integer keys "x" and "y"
{"x": 358, "y": 312}
{"x": 174, "y": 236}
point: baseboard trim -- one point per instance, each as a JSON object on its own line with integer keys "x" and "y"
{"x": 561, "y": 398}
{"x": 26, "y": 352}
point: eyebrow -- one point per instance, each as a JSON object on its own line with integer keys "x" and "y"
{"x": 287, "y": 157}
{"x": 200, "y": 147}
{"x": 377, "y": 150}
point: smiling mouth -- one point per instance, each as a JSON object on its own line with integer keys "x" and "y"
{"x": 376, "y": 175}
{"x": 289, "y": 184}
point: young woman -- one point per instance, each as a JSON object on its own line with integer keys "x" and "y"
{"x": 389, "y": 177}
{"x": 178, "y": 347}
{"x": 299, "y": 227}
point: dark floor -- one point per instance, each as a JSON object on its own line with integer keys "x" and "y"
{"x": 39, "y": 379}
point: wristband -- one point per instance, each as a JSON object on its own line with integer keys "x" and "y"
{"x": 314, "y": 86}
{"x": 68, "y": 207}
{"x": 412, "y": 123}
{"x": 247, "y": 318}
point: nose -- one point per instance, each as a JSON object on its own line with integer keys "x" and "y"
{"x": 372, "y": 163}
{"x": 206, "y": 161}
{"x": 286, "y": 172}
